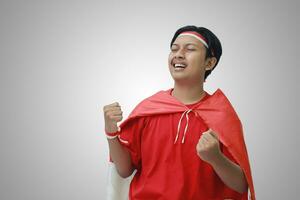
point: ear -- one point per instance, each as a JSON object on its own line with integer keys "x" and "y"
{"x": 210, "y": 63}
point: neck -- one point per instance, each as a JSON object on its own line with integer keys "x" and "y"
{"x": 188, "y": 94}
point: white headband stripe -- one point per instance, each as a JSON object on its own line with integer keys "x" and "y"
{"x": 195, "y": 36}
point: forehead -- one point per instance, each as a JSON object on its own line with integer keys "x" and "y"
{"x": 187, "y": 39}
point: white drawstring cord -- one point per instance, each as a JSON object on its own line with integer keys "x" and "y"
{"x": 186, "y": 126}
{"x": 178, "y": 127}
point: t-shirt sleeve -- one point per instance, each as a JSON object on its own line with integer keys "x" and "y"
{"x": 130, "y": 138}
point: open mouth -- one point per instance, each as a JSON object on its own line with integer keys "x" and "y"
{"x": 179, "y": 66}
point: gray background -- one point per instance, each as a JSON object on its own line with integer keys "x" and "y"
{"x": 62, "y": 61}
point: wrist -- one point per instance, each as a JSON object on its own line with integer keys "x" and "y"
{"x": 112, "y": 134}
{"x": 112, "y": 137}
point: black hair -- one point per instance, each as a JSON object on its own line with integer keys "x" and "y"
{"x": 214, "y": 45}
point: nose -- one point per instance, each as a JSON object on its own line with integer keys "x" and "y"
{"x": 179, "y": 53}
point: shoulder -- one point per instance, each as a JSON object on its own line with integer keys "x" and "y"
{"x": 149, "y": 106}
{"x": 150, "y": 101}
{"x": 139, "y": 121}
{"x": 155, "y": 95}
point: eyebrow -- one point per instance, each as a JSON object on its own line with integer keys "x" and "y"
{"x": 186, "y": 44}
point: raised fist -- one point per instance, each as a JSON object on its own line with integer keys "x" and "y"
{"x": 112, "y": 115}
{"x": 208, "y": 147}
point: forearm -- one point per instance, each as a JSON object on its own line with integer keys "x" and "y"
{"x": 230, "y": 173}
{"x": 121, "y": 158}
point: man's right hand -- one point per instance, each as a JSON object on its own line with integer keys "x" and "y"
{"x": 118, "y": 153}
{"x": 112, "y": 115}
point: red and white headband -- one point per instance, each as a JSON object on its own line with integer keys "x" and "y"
{"x": 195, "y": 35}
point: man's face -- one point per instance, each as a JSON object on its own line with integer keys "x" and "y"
{"x": 190, "y": 53}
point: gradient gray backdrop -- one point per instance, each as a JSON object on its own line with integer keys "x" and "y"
{"x": 62, "y": 61}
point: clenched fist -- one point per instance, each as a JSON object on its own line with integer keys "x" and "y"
{"x": 112, "y": 115}
{"x": 208, "y": 147}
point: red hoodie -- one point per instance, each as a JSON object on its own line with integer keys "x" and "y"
{"x": 164, "y": 154}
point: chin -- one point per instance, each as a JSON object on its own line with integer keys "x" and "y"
{"x": 179, "y": 79}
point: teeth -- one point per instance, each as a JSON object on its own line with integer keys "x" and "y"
{"x": 179, "y": 65}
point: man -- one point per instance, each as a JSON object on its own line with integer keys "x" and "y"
{"x": 183, "y": 142}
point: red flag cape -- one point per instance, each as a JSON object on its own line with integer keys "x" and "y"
{"x": 216, "y": 111}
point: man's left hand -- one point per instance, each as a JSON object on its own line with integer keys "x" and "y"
{"x": 208, "y": 147}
